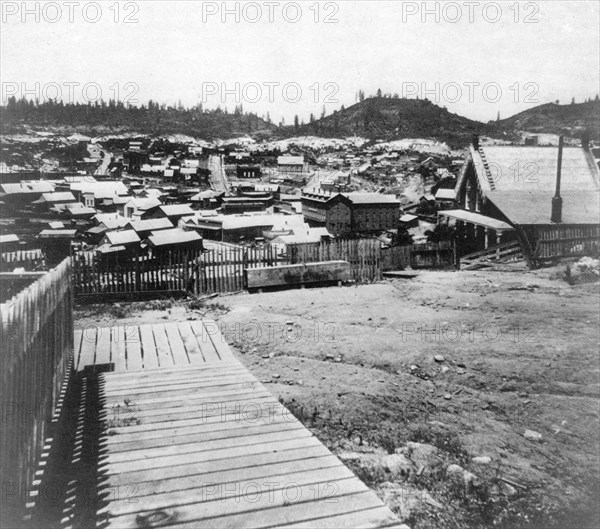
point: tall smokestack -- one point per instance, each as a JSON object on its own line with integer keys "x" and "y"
{"x": 557, "y": 200}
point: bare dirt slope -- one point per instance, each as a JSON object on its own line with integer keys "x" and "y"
{"x": 495, "y": 372}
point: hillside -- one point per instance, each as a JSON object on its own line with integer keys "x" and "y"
{"x": 394, "y": 118}
{"x": 380, "y": 118}
{"x": 552, "y": 118}
{"x": 116, "y": 118}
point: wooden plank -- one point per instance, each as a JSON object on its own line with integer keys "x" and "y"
{"x": 180, "y": 378}
{"x": 182, "y": 398}
{"x": 191, "y": 344}
{"x": 147, "y": 457}
{"x": 164, "y": 424}
{"x": 242, "y": 490}
{"x": 275, "y": 469}
{"x": 357, "y": 511}
{"x": 103, "y": 346}
{"x": 162, "y": 346}
{"x": 133, "y": 349}
{"x": 177, "y": 372}
{"x": 165, "y": 462}
{"x": 180, "y": 356}
{"x": 117, "y": 350}
{"x": 249, "y": 409}
{"x": 150, "y": 357}
{"x": 205, "y": 424}
{"x": 88, "y": 348}
{"x": 243, "y": 429}
{"x": 169, "y": 388}
{"x": 204, "y": 340}
{"x": 291, "y": 452}
{"x": 212, "y": 335}
{"x": 235, "y": 511}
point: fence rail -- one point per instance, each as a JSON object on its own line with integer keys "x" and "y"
{"x": 37, "y": 345}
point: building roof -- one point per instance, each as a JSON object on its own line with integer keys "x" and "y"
{"x": 112, "y": 221}
{"x": 520, "y": 182}
{"x": 445, "y": 194}
{"x": 173, "y": 236}
{"x": 4, "y": 239}
{"x": 56, "y": 225}
{"x": 290, "y": 160}
{"x": 27, "y": 187}
{"x": 144, "y": 204}
{"x": 64, "y": 196}
{"x": 100, "y": 190}
{"x": 408, "y": 218}
{"x": 302, "y": 236}
{"x": 57, "y": 234}
{"x": 371, "y": 198}
{"x": 476, "y": 218}
{"x": 176, "y": 210}
{"x": 235, "y": 222}
{"x": 203, "y": 195}
{"x": 77, "y": 209}
{"x": 97, "y": 230}
{"x": 150, "y": 225}
{"x": 116, "y": 238}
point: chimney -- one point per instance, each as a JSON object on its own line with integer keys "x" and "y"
{"x": 476, "y": 141}
{"x": 557, "y": 200}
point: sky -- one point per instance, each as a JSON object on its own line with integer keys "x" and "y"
{"x": 479, "y": 59}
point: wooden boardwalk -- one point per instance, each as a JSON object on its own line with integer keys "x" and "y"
{"x": 191, "y": 439}
{"x": 130, "y": 347}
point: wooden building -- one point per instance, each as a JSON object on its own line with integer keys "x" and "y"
{"x": 344, "y": 213}
{"x": 248, "y": 171}
{"x": 290, "y": 164}
{"x": 545, "y": 198}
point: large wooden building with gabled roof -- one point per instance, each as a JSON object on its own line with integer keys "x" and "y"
{"x": 545, "y": 198}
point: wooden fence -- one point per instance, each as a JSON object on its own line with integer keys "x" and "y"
{"x": 37, "y": 345}
{"x": 433, "y": 255}
{"x": 565, "y": 241}
{"x": 218, "y": 270}
{"x": 221, "y": 269}
{"x": 364, "y": 256}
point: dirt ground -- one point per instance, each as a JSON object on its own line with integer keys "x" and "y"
{"x": 499, "y": 371}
